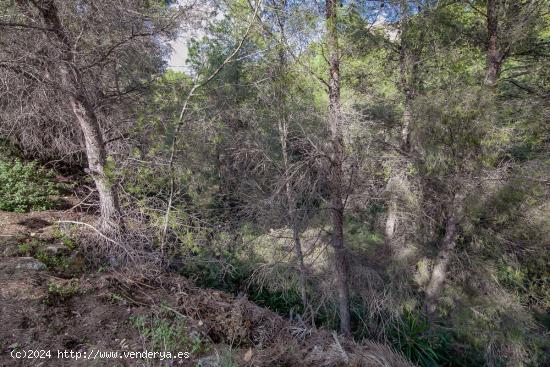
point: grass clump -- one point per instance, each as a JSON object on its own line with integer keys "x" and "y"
{"x": 411, "y": 335}
{"x": 162, "y": 332}
{"x": 58, "y": 293}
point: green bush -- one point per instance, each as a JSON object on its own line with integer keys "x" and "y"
{"x": 59, "y": 293}
{"x": 161, "y": 332}
{"x": 412, "y": 336}
{"x": 25, "y": 187}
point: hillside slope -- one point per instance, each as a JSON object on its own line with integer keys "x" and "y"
{"x": 49, "y": 301}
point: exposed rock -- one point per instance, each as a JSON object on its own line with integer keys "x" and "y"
{"x": 29, "y": 263}
{"x": 10, "y": 250}
{"x": 56, "y": 249}
{"x": 9, "y": 239}
{"x": 77, "y": 262}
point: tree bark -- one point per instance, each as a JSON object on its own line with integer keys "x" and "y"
{"x": 336, "y": 171}
{"x": 71, "y": 82}
{"x": 110, "y": 221}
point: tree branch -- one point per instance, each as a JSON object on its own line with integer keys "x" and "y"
{"x": 181, "y": 119}
{"x": 23, "y": 25}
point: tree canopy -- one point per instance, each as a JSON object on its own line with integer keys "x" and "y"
{"x": 380, "y": 168}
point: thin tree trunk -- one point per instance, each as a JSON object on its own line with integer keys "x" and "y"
{"x": 181, "y": 121}
{"x": 407, "y": 74}
{"x": 492, "y": 73}
{"x": 407, "y": 112}
{"x": 110, "y": 221}
{"x": 294, "y": 223}
{"x": 301, "y": 264}
{"x": 391, "y": 221}
{"x": 292, "y": 214}
{"x": 494, "y": 58}
{"x": 407, "y": 71}
{"x": 336, "y": 171}
{"x": 446, "y": 250}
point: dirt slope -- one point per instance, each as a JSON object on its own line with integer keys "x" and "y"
{"x": 56, "y": 304}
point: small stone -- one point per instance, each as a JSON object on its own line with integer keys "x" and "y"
{"x": 209, "y": 361}
{"x": 56, "y": 249}
{"x": 248, "y": 355}
{"x": 9, "y": 240}
{"x": 11, "y": 251}
{"x": 30, "y": 263}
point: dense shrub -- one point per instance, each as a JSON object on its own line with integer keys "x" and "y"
{"x": 411, "y": 335}
{"x": 25, "y": 187}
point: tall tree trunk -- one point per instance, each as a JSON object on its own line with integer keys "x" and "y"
{"x": 446, "y": 249}
{"x": 336, "y": 171}
{"x": 293, "y": 217}
{"x": 71, "y": 82}
{"x": 407, "y": 85}
{"x": 492, "y": 73}
{"x": 438, "y": 276}
{"x": 494, "y": 57}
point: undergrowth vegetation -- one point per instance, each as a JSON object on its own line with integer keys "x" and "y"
{"x": 26, "y": 186}
{"x": 376, "y": 168}
{"x": 60, "y": 293}
{"x": 163, "y": 331}
{"x": 58, "y": 253}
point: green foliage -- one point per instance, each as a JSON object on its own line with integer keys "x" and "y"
{"x": 67, "y": 239}
{"x": 162, "y": 332}
{"x": 58, "y": 293}
{"x": 217, "y": 267}
{"x": 413, "y": 337}
{"x": 233, "y": 276}
{"x": 229, "y": 176}
{"x": 59, "y": 262}
{"x": 284, "y": 303}
{"x": 26, "y": 186}
{"x": 115, "y": 298}
{"x": 361, "y": 233}
{"x": 26, "y": 249}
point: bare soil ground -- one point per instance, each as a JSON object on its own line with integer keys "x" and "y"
{"x": 81, "y": 310}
